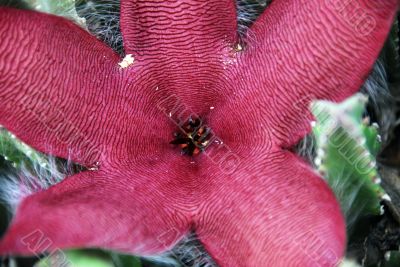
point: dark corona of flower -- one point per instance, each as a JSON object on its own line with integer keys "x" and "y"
{"x": 193, "y": 137}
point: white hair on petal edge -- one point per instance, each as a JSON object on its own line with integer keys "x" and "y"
{"x": 188, "y": 252}
{"x": 248, "y": 11}
{"x": 103, "y": 21}
{"x": 17, "y": 185}
{"x": 380, "y": 99}
{"x": 306, "y": 149}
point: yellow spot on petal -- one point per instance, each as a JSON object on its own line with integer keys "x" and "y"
{"x": 127, "y": 61}
{"x": 238, "y": 48}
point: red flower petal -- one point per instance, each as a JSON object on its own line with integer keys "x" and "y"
{"x": 273, "y": 211}
{"x": 54, "y": 77}
{"x": 301, "y": 50}
{"x": 183, "y": 44}
{"x": 96, "y": 210}
{"x": 153, "y": 27}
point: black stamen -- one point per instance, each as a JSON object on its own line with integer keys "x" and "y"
{"x": 193, "y": 137}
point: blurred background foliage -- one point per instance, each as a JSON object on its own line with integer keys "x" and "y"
{"x": 355, "y": 146}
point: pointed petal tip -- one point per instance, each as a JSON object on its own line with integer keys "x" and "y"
{"x": 15, "y": 242}
{"x": 6, "y": 248}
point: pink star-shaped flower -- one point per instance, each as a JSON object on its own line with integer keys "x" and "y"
{"x": 249, "y": 199}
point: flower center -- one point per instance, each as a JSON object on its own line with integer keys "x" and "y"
{"x": 193, "y": 137}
